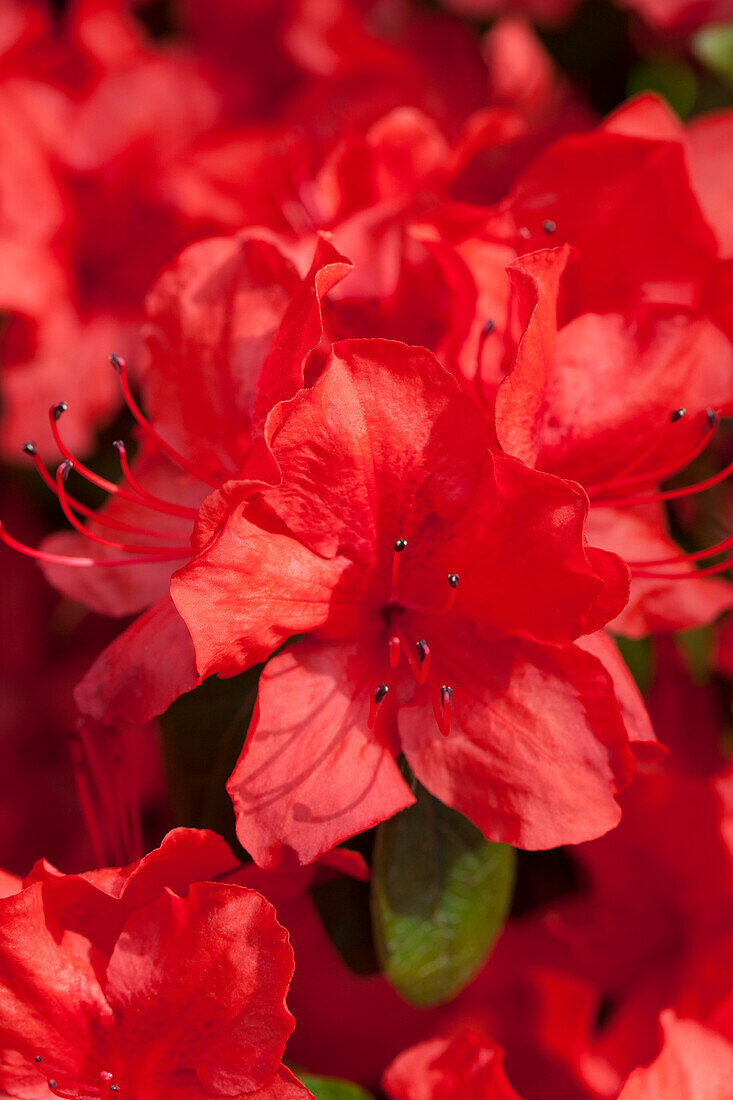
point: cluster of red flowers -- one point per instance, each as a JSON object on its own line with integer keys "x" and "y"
{"x": 419, "y": 528}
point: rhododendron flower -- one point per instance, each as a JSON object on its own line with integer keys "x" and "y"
{"x": 680, "y": 16}
{"x": 611, "y": 363}
{"x": 544, "y": 11}
{"x": 419, "y": 565}
{"x": 230, "y": 326}
{"x": 466, "y": 1066}
{"x": 108, "y": 991}
{"x": 695, "y": 1064}
{"x": 638, "y": 939}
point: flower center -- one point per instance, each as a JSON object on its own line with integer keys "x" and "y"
{"x": 107, "y": 1089}
{"x": 418, "y": 653}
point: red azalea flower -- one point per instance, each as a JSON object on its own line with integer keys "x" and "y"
{"x": 548, "y": 412}
{"x": 544, "y": 11}
{"x": 466, "y": 1066}
{"x": 230, "y": 326}
{"x": 396, "y": 541}
{"x": 645, "y": 940}
{"x": 113, "y": 985}
{"x": 680, "y": 16}
{"x": 629, "y": 320}
{"x": 695, "y": 1064}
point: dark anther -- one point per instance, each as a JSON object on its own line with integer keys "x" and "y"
{"x": 712, "y": 417}
{"x": 38, "y": 1058}
{"x": 677, "y": 415}
{"x": 59, "y": 409}
{"x": 400, "y": 545}
{"x": 488, "y": 328}
{"x": 446, "y": 695}
{"x": 453, "y": 579}
{"x": 115, "y": 361}
{"x": 380, "y": 693}
{"x": 66, "y": 468}
{"x": 421, "y": 648}
{"x": 30, "y": 448}
{"x": 114, "y": 1088}
{"x": 118, "y": 445}
{"x": 549, "y": 225}
{"x": 53, "y": 1084}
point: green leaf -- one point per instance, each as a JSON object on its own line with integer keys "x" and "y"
{"x": 343, "y": 906}
{"x": 670, "y": 77}
{"x": 331, "y": 1088}
{"x": 713, "y": 46}
{"x": 203, "y": 733}
{"x": 639, "y": 657}
{"x": 440, "y": 894}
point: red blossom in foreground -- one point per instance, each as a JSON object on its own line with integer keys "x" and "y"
{"x": 230, "y": 326}
{"x": 113, "y": 984}
{"x": 419, "y": 565}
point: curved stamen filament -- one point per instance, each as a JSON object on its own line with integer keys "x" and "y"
{"x": 121, "y": 367}
{"x": 421, "y": 665}
{"x": 689, "y": 574}
{"x": 399, "y": 547}
{"x": 375, "y": 703}
{"x": 61, "y": 474}
{"x": 635, "y": 462}
{"x": 664, "y": 472}
{"x": 673, "y": 494}
{"x": 87, "y": 563}
{"x": 453, "y": 582}
{"x": 135, "y": 485}
{"x": 680, "y": 559}
{"x": 82, "y": 509}
{"x": 442, "y": 707}
{"x": 394, "y": 652}
{"x": 102, "y": 482}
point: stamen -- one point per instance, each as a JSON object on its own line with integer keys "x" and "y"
{"x": 134, "y": 484}
{"x": 446, "y": 704}
{"x": 399, "y": 546}
{"x": 62, "y": 473}
{"x": 664, "y": 472}
{"x": 419, "y": 671}
{"x": 676, "y": 494}
{"x": 675, "y": 559}
{"x": 423, "y": 656}
{"x": 38, "y": 1059}
{"x": 120, "y": 366}
{"x": 619, "y": 478}
{"x": 102, "y": 482}
{"x": 710, "y": 571}
{"x": 549, "y": 225}
{"x": 376, "y": 701}
{"x": 394, "y": 652}
{"x": 67, "y": 559}
{"x": 30, "y": 448}
{"x": 453, "y": 581}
